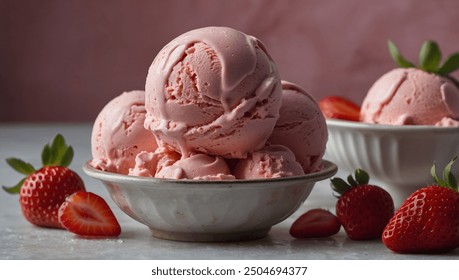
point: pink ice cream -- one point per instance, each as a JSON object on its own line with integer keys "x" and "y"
{"x": 301, "y": 127}
{"x": 270, "y": 162}
{"x": 213, "y": 98}
{"x": 147, "y": 164}
{"x": 197, "y": 167}
{"x": 118, "y": 133}
{"x": 412, "y": 97}
{"x": 213, "y": 90}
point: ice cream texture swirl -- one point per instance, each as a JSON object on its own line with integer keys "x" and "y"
{"x": 213, "y": 90}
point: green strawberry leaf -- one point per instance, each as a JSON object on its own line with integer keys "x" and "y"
{"x": 20, "y": 166}
{"x": 57, "y": 149}
{"x": 450, "y": 65}
{"x": 45, "y": 155}
{"x": 67, "y": 157}
{"x": 397, "y": 56}
{"x": 448, "y": 180}
{"x": 452, "y": 182}
{"x": 58, "y": 144}
{"x": 433, "y": 173}
{"x": 448, "y": 177}
{"x": 351, "y": 181}
{"x": 362, "y": 177}
{"x": 339, "y": 185}
{"x": 447, "y": 169}
{"x": 14, "y": 189}
{"x": 58, "y": 153}
{"x": 429, "y": 56}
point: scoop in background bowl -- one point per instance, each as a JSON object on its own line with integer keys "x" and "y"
{"x": 209, "y": 211}
{"x": 400, "y": 157}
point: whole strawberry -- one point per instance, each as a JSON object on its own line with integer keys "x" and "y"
{"x": 42, "y": 191}
{"x": 428, "y": 220}
{"x": 362, "y": 209}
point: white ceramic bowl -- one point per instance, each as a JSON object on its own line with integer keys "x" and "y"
{"x": 209, "y": 211}
{"x": 398, "y": 156}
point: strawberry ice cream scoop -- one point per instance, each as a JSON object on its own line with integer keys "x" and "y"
{"x": 197, "y": 167}
{"x": 213, "y": 90}
{"x": 412, "y": 97}
{"x": 270, "y": 162}
{"x": 147, "y": 164}
{"x": 118, "y": 134}
{"x": 301, "y": 127}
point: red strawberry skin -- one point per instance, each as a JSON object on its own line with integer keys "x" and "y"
{"x": 364, "y": 211}
{"x": 315, "y": 223}
{"x": 87, "y": 214}
{"x": 427, "y": 222}
{"x": 43, "y": 192}
{"x": 336, "y": 107}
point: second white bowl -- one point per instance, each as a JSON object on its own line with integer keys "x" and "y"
{"x": 398, "y": 156}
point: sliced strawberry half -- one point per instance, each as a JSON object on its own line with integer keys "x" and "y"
{"x": 336, "y": 107}
{"x": 87, "y": 214}
{"x": 315, "y": 223}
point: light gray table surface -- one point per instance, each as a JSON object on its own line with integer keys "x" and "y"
{"x": 21, "y": 240}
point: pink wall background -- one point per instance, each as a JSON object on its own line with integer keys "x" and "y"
{"x": 63, "y": 60}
